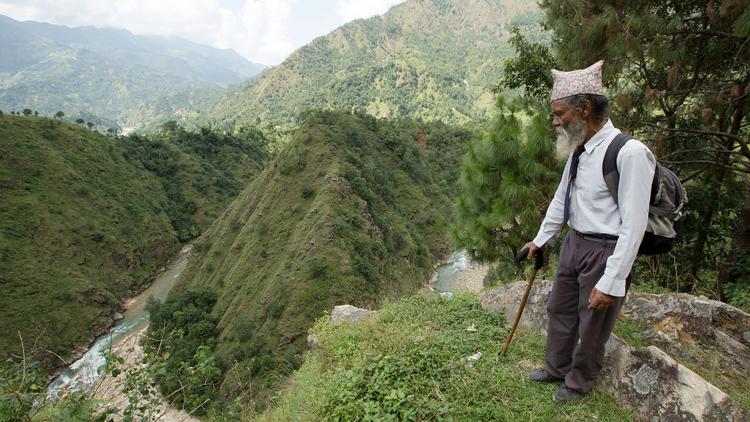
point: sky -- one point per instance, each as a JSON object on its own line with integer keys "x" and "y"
{"x": 263, "y": 31}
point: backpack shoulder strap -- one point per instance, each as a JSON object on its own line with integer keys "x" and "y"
{"x": 609, "y": 165}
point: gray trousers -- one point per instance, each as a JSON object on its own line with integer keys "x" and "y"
{"x": 582, "y": 264}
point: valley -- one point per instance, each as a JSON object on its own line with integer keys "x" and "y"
{"x": 177, "y": 222}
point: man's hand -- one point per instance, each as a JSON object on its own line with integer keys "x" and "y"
{"x": 532, "y": 249}
{"x": 599, "y": 301}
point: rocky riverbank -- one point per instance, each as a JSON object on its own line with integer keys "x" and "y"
{"x": 110, "y": 390}
{"x": 458, "y": 274}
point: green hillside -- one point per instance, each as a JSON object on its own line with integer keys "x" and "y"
{"x": 429, "y": 59}
{"x": 201, "y": 171}
{"x": 110, "y": 74}
{"x": 352, "y": 210}
{"x": 86, "y": 219}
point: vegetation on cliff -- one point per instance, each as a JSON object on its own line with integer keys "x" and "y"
{"x": 353, "y": 209}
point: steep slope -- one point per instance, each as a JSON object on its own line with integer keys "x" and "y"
{"x": 105, "y": 72}
{"x": 352, "y": 210}
{"x": 80, "y": 226}
{"x": 430, "y": 59}
{"x": 86, "y": 219}
{"x": 201, "y": 171}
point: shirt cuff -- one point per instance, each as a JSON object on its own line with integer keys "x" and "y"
{"x": 611, "y": 286}
{"x": 542, "y": 238}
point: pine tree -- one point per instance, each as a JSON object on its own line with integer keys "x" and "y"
{"x": 508, "y": 178}
{"x": 509, "y": 173}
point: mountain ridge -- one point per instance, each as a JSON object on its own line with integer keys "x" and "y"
{"x": 393, "y": 65}
{"x": 108, "y": 73}
{"x": 86, "y": 219}
{"x": 353, "y": 209}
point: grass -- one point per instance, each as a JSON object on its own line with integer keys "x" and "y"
{"x": 79, "y": 228}
{"x": 409, "y": 363}
{"x": 631, "y": 331}
{"x": 704, "y": 363}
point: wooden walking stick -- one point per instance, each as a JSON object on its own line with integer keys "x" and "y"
{"x": 538, "y": 264}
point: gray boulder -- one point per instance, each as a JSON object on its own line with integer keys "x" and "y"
{"x": 686, "y": 326}
{"x": 349, "y": 314}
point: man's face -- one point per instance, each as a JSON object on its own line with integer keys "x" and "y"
{"x": 570, "y": 127}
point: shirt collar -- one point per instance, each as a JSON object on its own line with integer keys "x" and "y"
{"x": 599, "y": 136}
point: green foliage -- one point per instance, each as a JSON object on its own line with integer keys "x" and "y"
{"x": 372, "y": 226}
{"x": 200, "y": 171}
{"x": 22, "y": 385}
{"x": 738, "y": 291}
{"x": 507, "y": 178}
{"x": 179, "y": 346}
{"x": 529, "y": 70}
{"x": 79, "y": 228}
{"x": 23, "y": 396}
{"x": 143, "y": 401}
{"x": 411, "y": 362}
{"x": 182, "y": 323}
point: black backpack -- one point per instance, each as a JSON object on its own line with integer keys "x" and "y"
{"x": 668, "y": 197}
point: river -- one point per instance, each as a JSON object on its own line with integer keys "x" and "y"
{"x": 83, "y": 373}
{"x": 459, "y": 274}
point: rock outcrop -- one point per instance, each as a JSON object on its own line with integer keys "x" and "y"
{"x": 349, "y": 314}
{"x": 682, "y": 325}
{"x": 343, "y": 314}
{"x": 648, "y": 379}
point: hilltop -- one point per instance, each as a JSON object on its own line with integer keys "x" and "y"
{"x": 427, "y": 358}
{"x": 428, "y": 59}
{"x": 353, "y": 209}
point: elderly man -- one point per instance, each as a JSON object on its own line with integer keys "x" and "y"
{"x": 597, "y": 255}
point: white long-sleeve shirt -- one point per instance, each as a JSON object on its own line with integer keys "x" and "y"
{"x": 594, "y": 211}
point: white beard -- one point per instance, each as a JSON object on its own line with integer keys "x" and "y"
{"x": 568, "y": 139}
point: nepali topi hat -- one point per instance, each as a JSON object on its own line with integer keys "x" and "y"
{"x": 581, "y": 81}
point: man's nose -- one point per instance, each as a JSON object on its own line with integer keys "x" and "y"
{"x": 556, "y": 122}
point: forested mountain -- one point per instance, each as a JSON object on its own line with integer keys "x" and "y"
{"x": 105, "y": 71}
{"x": 429, "y": 59}
{"x": 86, "y": 219}
{"x": 352, "y": 210}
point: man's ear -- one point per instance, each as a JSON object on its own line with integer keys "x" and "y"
{"x": 585, "y": 109}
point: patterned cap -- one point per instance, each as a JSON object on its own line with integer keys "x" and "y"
{"x": 581, "y": 81}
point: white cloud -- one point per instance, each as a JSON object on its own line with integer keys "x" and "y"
{"x": 258, "y": 30}
{"x": 354, "y": 9}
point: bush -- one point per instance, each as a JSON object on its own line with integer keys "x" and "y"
{"x": 307, "y": 191}
{"x": 182, "y": 331}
